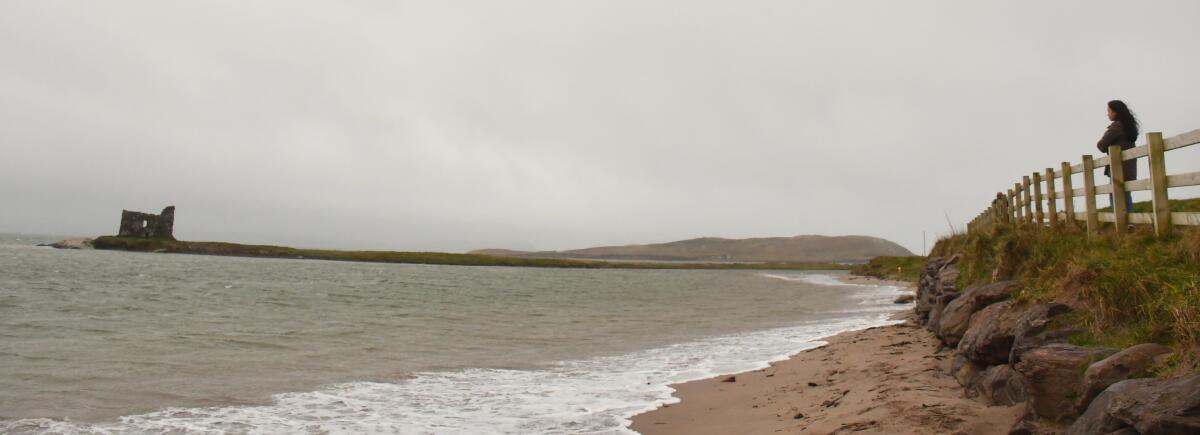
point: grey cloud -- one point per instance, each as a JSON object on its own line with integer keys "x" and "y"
{"x": 549, "y": 124}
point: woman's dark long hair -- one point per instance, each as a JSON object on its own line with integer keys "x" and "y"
{"x": 1128, "y": 121}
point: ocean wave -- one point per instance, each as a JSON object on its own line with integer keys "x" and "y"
{"x": 595, "y": 396}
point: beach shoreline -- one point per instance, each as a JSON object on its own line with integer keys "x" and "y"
{"x": 890, "y": 379}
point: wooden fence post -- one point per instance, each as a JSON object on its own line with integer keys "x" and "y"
{"x": 1017, "y": 204}
{"x": 1037, "y": 198}
{"x": 1005, "y": 214}
{"x": 1116, "y": 168}
{"x": 1089, "y": 195}
{"x": 1068, "y": 195}
{"x": 1051, "y": 197}
{"x": 1028, "y": 202}
{"x": 1158, "y": 185}
{"x": 1012, "y": 209}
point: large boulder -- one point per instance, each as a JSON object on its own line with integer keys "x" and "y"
{"x": 1035, "y": 328}
{"x": 1129, "y": 363}
{"x": 955, "y": 318}
{"x": 1000, "y": 386}
{"x": 1053, "y": 375}
{"x": 1149, "y": 406}
{"x": 989, "y": 335}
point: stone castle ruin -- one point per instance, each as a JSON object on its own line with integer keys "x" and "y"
{"x": 158, "y": 226}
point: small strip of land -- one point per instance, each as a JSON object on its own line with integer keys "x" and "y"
{"x": 891, "y": 379}
{"x": 267, "y": 251}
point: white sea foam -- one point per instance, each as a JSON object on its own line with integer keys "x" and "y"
{"x": 872, "y": 297}
{"x": 595, "y": 396}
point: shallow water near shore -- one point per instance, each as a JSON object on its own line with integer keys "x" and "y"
{"x": 110, "y": 342}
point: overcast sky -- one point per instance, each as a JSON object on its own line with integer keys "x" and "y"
{"x": 455, "y": 125}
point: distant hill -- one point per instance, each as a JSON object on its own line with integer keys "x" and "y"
{"x": 796, "y": 249}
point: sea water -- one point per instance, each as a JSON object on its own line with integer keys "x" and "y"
{"x": 119, "y": 342}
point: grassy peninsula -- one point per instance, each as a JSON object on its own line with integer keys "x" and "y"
{"x": 268, "y": 251}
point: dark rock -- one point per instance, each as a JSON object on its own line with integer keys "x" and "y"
{"x": 1033, "y": 329}
{"x": 904, "y": 299}
{"x": 927, "y": 289}
{"x": 1053, "y": 375}
{"x": 730, "y": 379}
{"x": 138, "y": 224}
{"x": 1124, "y": 431}
{"x": 957, "y": 314}
{"x": 1161, "y": 406}
{"x": 948, "y": 276}
{"x": 989, "y": 336}
{"x": 943, "y": 292}
{"x": 1000, "y": 385}
{"x": 1095, "y": 420}
{"x": 935, "y": 316}
{"x": 1026, "y": 426}
{"x": 1150, "y": 406}
{"x": 1129, "y": 363}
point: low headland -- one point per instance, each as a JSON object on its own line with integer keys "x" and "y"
{"x": 1015, "y": 330}
{"x": 165, "y": 245}
{"x": 806, "y": 248}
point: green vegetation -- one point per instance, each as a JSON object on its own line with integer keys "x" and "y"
{"x": 234, "y": 249}
{"x": 906, "y": 268}
{"x": 1127, "y": 289}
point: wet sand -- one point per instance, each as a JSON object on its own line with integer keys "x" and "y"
{"x": 891, "y": 379}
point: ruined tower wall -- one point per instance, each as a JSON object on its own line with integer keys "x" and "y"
{"x": 138, "y": 224}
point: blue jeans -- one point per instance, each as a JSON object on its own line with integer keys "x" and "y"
{"x": 1128, "y": 200}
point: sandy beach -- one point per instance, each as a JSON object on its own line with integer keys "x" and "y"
{"x": 891, "y": 379}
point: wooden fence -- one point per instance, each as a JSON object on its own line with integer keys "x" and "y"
{"x": 1026, "y": 203}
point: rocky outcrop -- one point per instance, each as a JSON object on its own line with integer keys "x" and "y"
{"x": 1007, "y": 352}
{"x": 1148, "y": 406}
{"x": 989, "y": 337}
{"x": 956, "y": 316}
{"x": 1053, "y": 375}
{"x": 1129, "y": 363}
{"x": 937, "y": 288}
{"x": 926, "y": 289}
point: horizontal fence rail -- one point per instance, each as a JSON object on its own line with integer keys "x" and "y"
{"x": 1023, "y": 204}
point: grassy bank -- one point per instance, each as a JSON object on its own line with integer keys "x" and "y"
{"x": 267, "y": 251}
{"x": 895, "y": 268}
{"x": 1126, "y": 290}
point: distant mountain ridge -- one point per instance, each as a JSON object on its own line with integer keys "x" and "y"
{"x": 798, "y": 249}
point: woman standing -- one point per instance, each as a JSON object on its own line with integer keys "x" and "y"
{"x": 1123, "y": 132}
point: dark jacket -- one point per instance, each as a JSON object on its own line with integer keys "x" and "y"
{"x": 1115, "y": 135}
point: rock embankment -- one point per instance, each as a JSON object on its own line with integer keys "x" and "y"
{"x": 1008, "y": 352}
